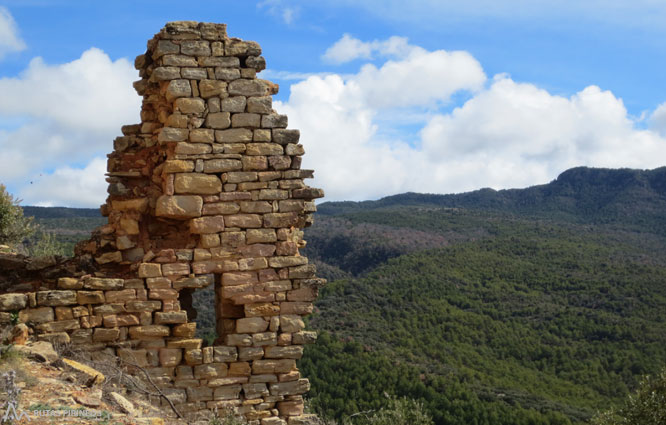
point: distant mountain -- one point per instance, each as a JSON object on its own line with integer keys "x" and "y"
{"x": 60, "y": 212}
{"x": 583, "y": 195}
{"x": 523, "y": 306}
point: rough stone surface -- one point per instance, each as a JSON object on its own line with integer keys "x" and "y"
{"x": 206, "y": 190}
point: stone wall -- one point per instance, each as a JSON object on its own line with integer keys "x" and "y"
{"x": 207, "y": 190}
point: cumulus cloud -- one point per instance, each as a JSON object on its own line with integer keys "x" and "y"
{"x": 349, "y": 48}
{"x": 69, "y": 186}
{"x": 415, "y": 77}
{"x": 507, "y": 134}
{"x": 92, "y": 93}
{"x": 658, "y": 119}
{"x": 10, "y": 41}
{"x": 63, "y": 114}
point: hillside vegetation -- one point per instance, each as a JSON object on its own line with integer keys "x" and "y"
{"x": 542, "y": 305}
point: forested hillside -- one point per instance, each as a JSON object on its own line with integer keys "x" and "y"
{"x": 529, "y": 306}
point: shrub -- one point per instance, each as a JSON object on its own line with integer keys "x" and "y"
{"x": 647, "y": 406}
{"x": 399, "y": 411}
{"x": 14, "y": 227}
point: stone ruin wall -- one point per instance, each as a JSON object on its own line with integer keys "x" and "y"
{"x": 207, "y": 190}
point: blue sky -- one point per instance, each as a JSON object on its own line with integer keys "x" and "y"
{"x": 429, "y": 96}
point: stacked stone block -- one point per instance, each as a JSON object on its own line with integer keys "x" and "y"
{"x": 207, "y": 190}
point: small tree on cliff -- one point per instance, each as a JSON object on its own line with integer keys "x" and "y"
{"x": 14, "y": 227}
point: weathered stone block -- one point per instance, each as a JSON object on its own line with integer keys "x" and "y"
{"x": 221, "y": 165}
{"x": 193, "y": 357}
{"x": 210, "y": 88}
{"x": 291, "y": 323}
{"x": 241, "y": 176}
{"x": 246, "y": 120}
{"x": 194, "y": 282}
{"x": 273, "y": 120}
{"x": 290, "y": 388}
{"x": 10, "y": 302}
{"x": 193, "y": 73}
{"x": 178, "y": 60}
{"x": 175, "y": 269}
{"x": 170, "y": 134}
{"x": 150, "y": 270}
{"x": 258, "y": 63}
{"x": 255, "y": 390}
{"x": 36, "y": 315}
{"x": 199, "y": 394}
{"x": 227, "y": 74}
{"x": 58, "y": 326}
{"x": 170, "y": 357}
{"x": 179, "y": 206}
{"x": 243, "y": 220}
{"x": 69, "y": 283}
{"x": 308, "y": 193}
{"x": 288, "y": 352}
{"x": 261, "y": 309}
{"x": 281, "y": 220}
{"x": 221, "y": 208}
{"x": 44, "y": 298}
{"x": 177, "y": 89}
{"x": 233, "y": 135}
{"x": 304, "y": 337}
{"x": 227, "y": 392}
{"x": 195, "y": 47}
{"x": 163, "y": 294}
{"x": 164, "y": 73}
{"x": 290, "y": 408}
{"x": 103, "y": 283}
{"x": 186, "y": 330}
{"x": 237, "y": 47}
{"x": 244, "y": 87}
{"x": 197, "y": 183}
{"x": 219, "y": 120}
{"x": 209, "y": 224}
{"x": 146, "y": 332}
{"x": 189, "y": 105}
{"x": 263, "y": 149}
{"x": 165, "y": 47}
{"x": 105, "y": 335}
{"x": 171, "y": 317}
{"x": 184, "y": 148}
{"x": 90, "y": 297}
{"x": 210, "y": 370}
{"x": 251, "y": 325}
{"x": 273, "y": 366}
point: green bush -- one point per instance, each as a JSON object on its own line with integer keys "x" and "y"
{"x": 647, "y": 406}
{"x": 46, "y": 244}
{"x": 14, "y": 227}
{"x": 400, "y": 411}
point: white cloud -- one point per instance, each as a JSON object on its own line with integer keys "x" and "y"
{"x": 419, "y": 79}
{"x": 64, "y": 114}
{"x": 658, "y": 119}
{"x": 10, "y": 41}
{"x": 279, "y": 8}
{"x": 91, "y": 93}
{"x": 349, "y": 48}
{"x": 67, "y": 186}
{"x": 508, "y": 134}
